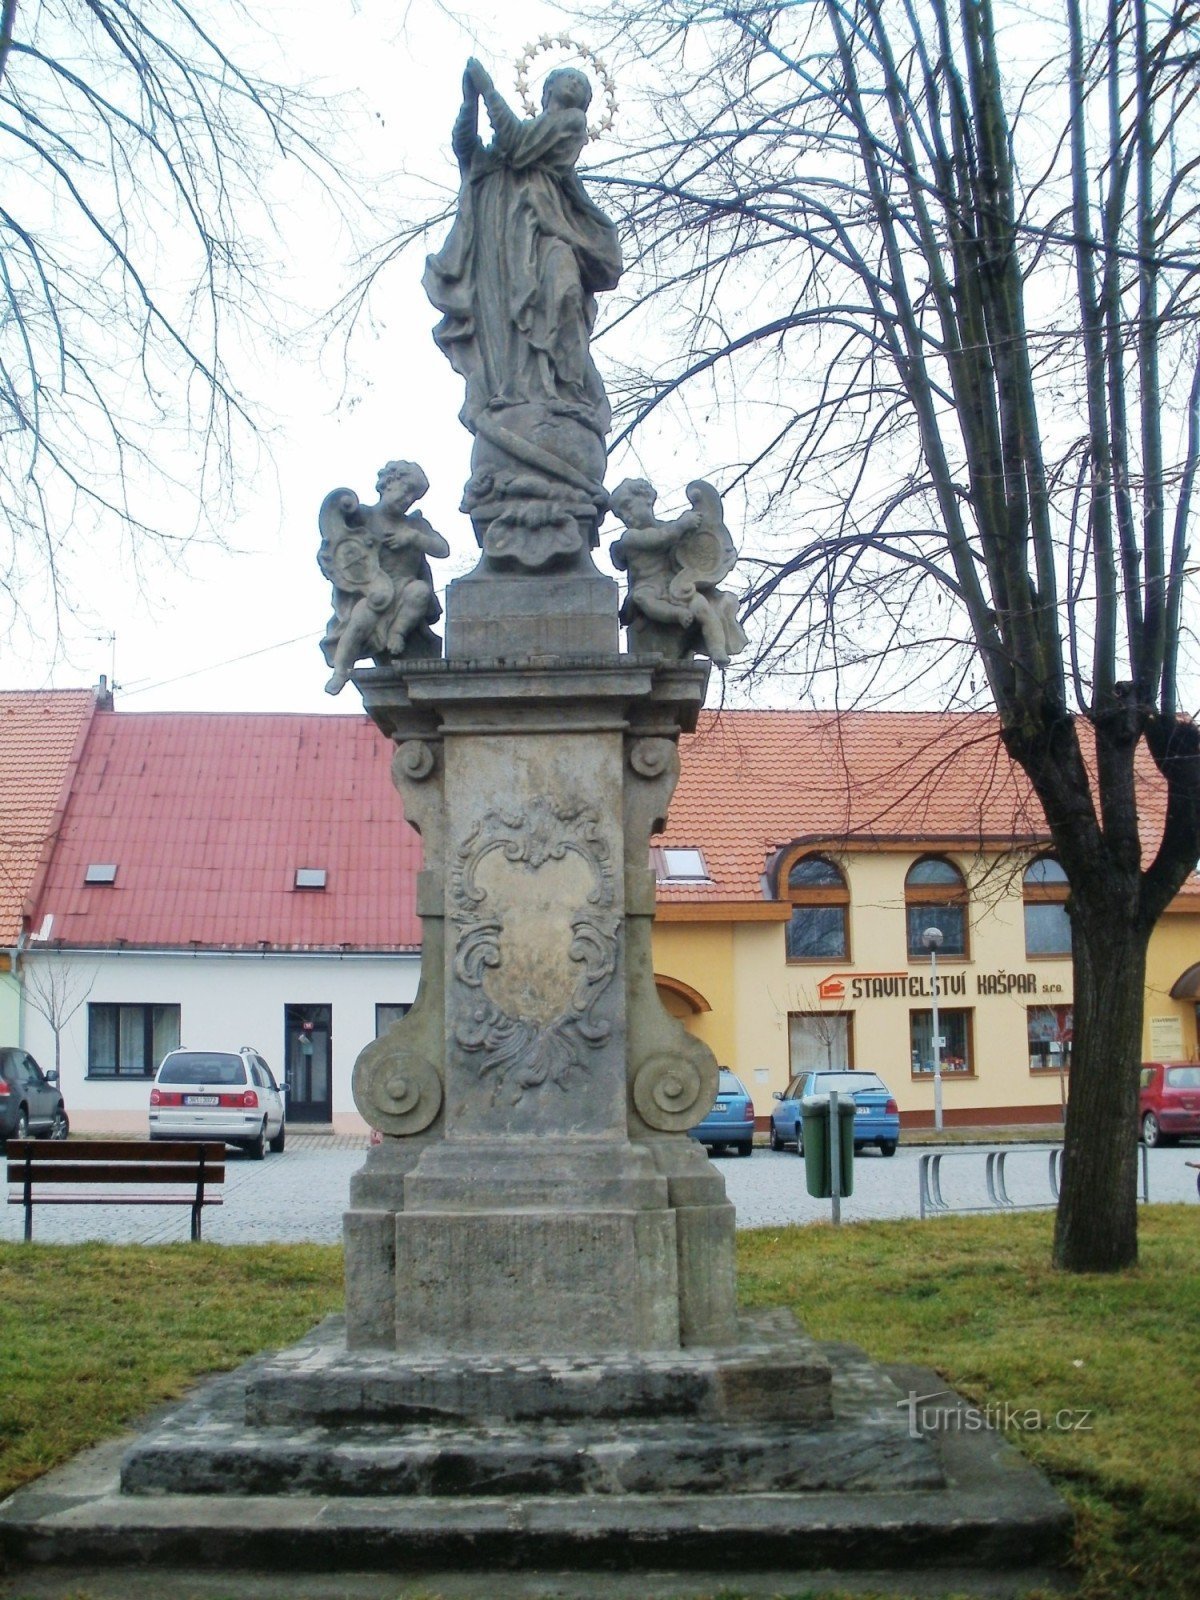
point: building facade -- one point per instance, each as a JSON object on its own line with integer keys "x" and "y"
{"x": 794, "y": 945}
{"x": 249, "y": 879}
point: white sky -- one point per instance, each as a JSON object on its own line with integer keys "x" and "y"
{"x": 178, "y": 641}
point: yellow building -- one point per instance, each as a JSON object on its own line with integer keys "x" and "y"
{"x": 806, "y": 858}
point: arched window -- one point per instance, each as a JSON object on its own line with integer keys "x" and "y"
{"x": 935, "y": 896}
{"x": 819, "y": 929}
{"x": 1047, "y": 925}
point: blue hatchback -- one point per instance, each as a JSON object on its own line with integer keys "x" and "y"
{"x": 876, "y": 1115}
{"x": 731, "y": 1120}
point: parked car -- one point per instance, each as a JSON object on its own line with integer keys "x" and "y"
{"x": 31, "y": 1102}
{"x": 876, "y": 1114}
{"x": 731, "y": 1120}
{"x": 1169, "y": 1101}
{"x": 226, "y": 1095}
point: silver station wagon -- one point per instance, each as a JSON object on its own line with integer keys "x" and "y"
{"x": 225, "y": 1095}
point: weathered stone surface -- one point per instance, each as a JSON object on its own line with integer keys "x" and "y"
{"x": 554, "y": 1202}
{"x": 496, "y": 617}
{"x": 317, "y": 1420}
{"x": 774, "y": 1372}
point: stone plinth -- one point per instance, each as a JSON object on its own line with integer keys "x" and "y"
{"x": 535, "y": 1191}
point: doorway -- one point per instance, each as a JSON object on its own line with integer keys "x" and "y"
{"x": 307, "y": 1054}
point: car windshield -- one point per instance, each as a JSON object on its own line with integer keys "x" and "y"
{"x": 847, "y": 1083}
{"x": 199, "y": 1066}
{"x": 1183, "y": 1077}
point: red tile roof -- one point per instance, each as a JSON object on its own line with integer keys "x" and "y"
{"x": 207, "y": 817}
{"x": 753, "y": 781}
{"x": 41, "y": 733}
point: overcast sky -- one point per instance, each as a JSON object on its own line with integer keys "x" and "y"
{"x": 179, "y": 636}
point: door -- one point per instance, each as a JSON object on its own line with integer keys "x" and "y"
{"x": 307, "y": 1053}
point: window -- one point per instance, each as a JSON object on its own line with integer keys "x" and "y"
{"x": 674, "y": 864}
{"x": 935, "y": 896}
{"x": 310, "y": 877}
{"x": 955, "y": 1030}
{"x": 388, "y": 1012}
{"x": 1050, "y": 1034}
{"x": 1047, "y": 925}
{"x": 819, "y": 927}
{"x": 819, "y": 1041}
{"x": 101, "y": 872}
{"x": 128, "y": 1041}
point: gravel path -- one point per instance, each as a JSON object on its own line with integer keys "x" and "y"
{"x": 300, "y": 1195}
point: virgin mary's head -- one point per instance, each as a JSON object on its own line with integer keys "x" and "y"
{"x": 566, "y": 88}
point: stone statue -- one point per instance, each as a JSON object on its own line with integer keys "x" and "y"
{"x": 673, "y": 604}
{"x": 516, "y": 282}
{"x": 377, "y": 559}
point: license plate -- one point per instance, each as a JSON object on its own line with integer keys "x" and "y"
{"x": 862, "y": 1111}
{"x": 719, "y": 1110}
{"x": 201, "y": 1100}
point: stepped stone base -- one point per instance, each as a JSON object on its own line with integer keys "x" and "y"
{"x": 320, "y": 1421}
{"x": 603, "y": 1488}
{"x": 957, "y": 1509}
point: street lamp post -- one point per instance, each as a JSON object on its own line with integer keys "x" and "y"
{"x": 932, "y": 940}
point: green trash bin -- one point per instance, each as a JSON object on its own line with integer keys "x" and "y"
{"x": 818, "y": 1169}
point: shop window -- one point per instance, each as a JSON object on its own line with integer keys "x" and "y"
{"x": 387, "y": 1012}
{"x": 819, "y": 927}
{"x": 954, "y": 1027}
{"x": 129, "y": 1041}
{"x": 1051, "y": 1030}
{"x": 1047, "y": 924}
{"x": 820, "y": 1041}
{"x": 935, "y": 896}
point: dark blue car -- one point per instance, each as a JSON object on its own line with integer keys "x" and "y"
{"x": 731, "y": 1120}
{"x": 876, "y": 1115}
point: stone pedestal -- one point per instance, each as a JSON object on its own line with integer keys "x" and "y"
{"x": 536, "y": 1191}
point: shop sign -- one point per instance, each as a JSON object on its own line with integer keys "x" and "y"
{"x": 917, "y": 985}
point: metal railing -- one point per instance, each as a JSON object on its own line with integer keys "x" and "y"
{"x": 934, "y": 1203}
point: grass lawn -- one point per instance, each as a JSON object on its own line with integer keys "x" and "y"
{"x": 97, "y": 1334}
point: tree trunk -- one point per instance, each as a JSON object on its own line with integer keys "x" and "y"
{"x": 1100, "y": 850}
{"x": 1096, "y": 1228}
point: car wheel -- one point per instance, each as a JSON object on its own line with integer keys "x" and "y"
{"x": 278, "y": 1141}
{"x": 799, "y": 1143}
{"x": 1151, "y": 1132}
{"x": 746, "y": 1149}
{"x": 776, "y": 1141}
{"x": 257, "y": 1148}
{"x": 887, "y": 1147}
{"x": 21, "y": 1131}
{"x": 60, "y": 1127}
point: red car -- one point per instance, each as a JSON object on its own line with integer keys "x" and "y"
{"x": 1169, "y": 1103}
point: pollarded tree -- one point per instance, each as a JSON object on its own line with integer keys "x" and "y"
{"x": 934, "y": 266}
{"x": 135, "y": 147}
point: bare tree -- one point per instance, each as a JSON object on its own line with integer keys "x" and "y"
{"x": 933, "y": 267}
{"x": 56, "y": 989}
{"x": 135, "y": 150}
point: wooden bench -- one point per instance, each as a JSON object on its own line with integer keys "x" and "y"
{"x": 53, "y": 1172}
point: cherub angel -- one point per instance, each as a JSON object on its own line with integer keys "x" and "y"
{"x": 674, "y": 568}
{"x": 377, "y": 559}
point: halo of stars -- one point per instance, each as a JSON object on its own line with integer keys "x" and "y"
{"x": 576, "y": 52}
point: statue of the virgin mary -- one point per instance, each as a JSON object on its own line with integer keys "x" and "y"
{"x": 516, "y": 282}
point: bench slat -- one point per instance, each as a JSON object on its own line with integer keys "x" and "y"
{"x": 193, "y": 1167}
{"x": 102, "y": 1172}
{"x": 117, "y": 1200}
{"x": 116, "y": 1150}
